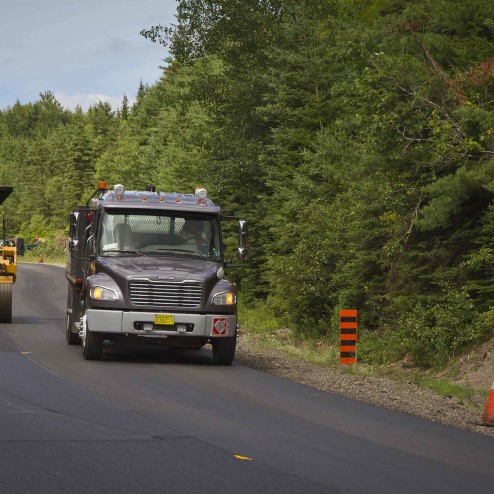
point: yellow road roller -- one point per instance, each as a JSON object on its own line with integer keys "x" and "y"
{"x": 8, "y": 267}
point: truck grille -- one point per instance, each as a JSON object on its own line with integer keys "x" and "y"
{"x": 165, "y": 294}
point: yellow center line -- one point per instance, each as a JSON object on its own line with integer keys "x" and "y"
{"x": 245, "y": 458}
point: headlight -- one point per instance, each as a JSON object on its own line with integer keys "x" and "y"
{"x": 225, "y": 298}
{"x": 102, "y": 293}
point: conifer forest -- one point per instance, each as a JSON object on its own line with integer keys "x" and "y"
{"x": 355, "y": 136}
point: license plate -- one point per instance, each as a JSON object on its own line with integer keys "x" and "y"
{"x": 164, "y": 319}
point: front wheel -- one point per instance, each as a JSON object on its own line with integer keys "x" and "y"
{"x": 5, "y": 302}
{"x": 224, "y": 350}
{"x": 92, "y": 344}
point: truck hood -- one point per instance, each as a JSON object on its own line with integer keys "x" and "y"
{"x": 158, "y": 268}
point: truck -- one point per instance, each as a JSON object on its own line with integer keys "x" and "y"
{"x": 148, "y": 267}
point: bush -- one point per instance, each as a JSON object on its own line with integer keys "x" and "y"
{"x": 260, "y": 318}
{"x": 381, "y": 347}
{"x": 438, "y": 330}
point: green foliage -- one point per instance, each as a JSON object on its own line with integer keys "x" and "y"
{"x": 382, "y": 347}
{"x": 258, "y": 318}
{"x": 455, "y": 195}
{"x": 36, "y": 226}
{"x": 437, "y": 330}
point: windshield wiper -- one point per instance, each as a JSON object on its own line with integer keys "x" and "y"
{"x": 123, "y": 251}
{"x": 182, "y": 251}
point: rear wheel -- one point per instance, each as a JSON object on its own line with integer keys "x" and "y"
{"x": 92, "y": 344}
{"x": 72, "y": 336}
{"x": 224, "y": 350}
{"x": 5, "y": 302}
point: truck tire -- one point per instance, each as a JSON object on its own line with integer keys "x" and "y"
{"x": 224, "y": 350}
{"x": 71, "y": 336}
{"x": 5, "y": 302}
{"x": 92, "y": 345}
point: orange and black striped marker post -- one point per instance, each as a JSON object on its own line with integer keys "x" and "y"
{"x": 348, "y": 336}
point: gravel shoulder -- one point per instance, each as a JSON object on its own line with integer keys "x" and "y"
{"x": 395, "y": 392}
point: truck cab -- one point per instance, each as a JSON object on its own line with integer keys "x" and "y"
{"x": 148, "y": 267}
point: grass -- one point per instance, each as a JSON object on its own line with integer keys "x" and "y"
{"x": 446, "y": 388}
{"x": 316, "y": 353}
{"x": 32, "y": 256}
{"x": 261, "y": 327}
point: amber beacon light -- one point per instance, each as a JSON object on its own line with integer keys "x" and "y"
{"x": 348, "y": 336}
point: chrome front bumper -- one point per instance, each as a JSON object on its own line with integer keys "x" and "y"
{"x": 115, "y": 321}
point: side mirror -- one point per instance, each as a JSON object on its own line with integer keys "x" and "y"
{"x": 242, "y": 240}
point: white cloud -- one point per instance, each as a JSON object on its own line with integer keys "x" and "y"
{"x": 82, "y": 51}
{"x": 71, "y": 101}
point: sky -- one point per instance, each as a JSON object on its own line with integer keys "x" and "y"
{"x": 83, "y": 51}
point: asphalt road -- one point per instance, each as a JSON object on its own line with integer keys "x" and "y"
{"x": 156, "y": 421}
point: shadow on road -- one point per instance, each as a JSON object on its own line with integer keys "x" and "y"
{"x": 113, "y": 352}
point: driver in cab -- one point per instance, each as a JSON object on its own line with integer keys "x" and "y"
{"x": 193, "y": 235}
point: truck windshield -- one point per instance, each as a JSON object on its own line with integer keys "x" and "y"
{"x": 160, "y": 233}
